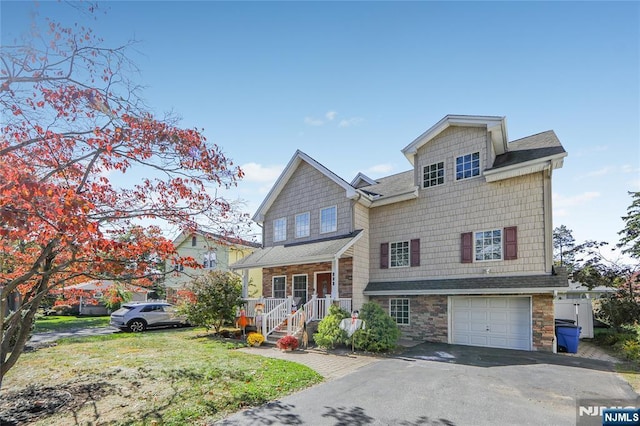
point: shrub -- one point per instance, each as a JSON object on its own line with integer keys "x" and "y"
{"x": 287, "y": 342}
{"x": 65, "y": 309}
{"x": 255, "y": 339}
{"x": 214, "y": 300}
{"x": 381, "y": 332}
{"x": 631, "y": 349}
{"x": 619, "y": 309}
{"x": 329, "y": 333}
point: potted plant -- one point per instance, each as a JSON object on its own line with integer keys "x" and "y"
{"x": 287, "y": 343}
{"x": 255, "y": 339}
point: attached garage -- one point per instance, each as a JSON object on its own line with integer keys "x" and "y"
{"x": 497, "y": 321}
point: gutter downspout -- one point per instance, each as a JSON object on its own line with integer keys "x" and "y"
{"x": 548, "y": 217}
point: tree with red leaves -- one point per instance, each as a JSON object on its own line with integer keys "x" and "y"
{"x": 73, "y": 123}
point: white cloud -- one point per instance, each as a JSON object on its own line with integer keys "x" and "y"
{"x": 350, "y": 122}
{"x": 380, "y": 168}
{"x": 600, "y": 172}
{"x": 562, "y": 202}
{"x": 331, "y": 115}
{"x": 313, "y": 121}
{"x": 254, "y": 172}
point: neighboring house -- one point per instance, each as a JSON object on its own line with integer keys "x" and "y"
{"x": 89, "y": 295}
{"x": 458, "y": 249}
{"x": 213, "y": 252}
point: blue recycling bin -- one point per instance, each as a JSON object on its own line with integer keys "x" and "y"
{"x": 568, "y": 337}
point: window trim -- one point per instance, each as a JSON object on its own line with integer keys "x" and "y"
{"x": 306, "y": 285}
{"x": 408, "y": 252}
{"x": 273, "y": 286}
{"x": 395, "y": 318}
{"x": 335, "y": 226}
{"x": 284, "y": 219}
{"x": 308, "y": 214}
{"x": 444, "y": 174}
{"x": 501, "y": 245}
{"x": 455, "y": 166}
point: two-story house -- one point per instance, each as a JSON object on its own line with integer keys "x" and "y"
{"x": 457, "y": 249}
{"x": 214, "y": 252}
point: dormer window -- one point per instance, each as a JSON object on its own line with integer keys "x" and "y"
{"x": 468, "y": 166}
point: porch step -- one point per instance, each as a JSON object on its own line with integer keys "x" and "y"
{"x": 276, "y": 335}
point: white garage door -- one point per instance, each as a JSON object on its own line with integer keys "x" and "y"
{"x": 497, "y": 322}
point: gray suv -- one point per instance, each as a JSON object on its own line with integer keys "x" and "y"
{"x": 137, "y": 317}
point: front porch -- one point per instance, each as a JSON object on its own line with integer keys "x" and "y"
{"x": 275, "y": 317}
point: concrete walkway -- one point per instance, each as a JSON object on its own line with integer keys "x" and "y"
{"x": 329, "y": 365}
{"x": 590, "y": 350}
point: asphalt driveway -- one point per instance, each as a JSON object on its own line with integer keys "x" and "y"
{"x": 438, "y": 384}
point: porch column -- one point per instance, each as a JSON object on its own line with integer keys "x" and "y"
{"x": 335, "y": 294}
{"x": 245, "y": 283}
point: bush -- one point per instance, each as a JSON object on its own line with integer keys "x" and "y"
{"x": 214, "y": 299}
{"x": 631, "y": 349}
{"x": 619, "y": 309}
{"x": 329, "y": 333}
{"x": 255, "y": 339}
{"x": 381, "y": 332}
{"x": 287, "y": 342}
{"x": 66, "y": 310}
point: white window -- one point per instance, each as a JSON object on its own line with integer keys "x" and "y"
{"x": 300, "y": 288}
{"x": 468, "y": 166}
{"x": 399, "y": 254}
{"x": 280, "y": 229}
{"x": 279, "y": 287}
{"x": 399, "y": 310}
{"x": 433, "y": 175}
{"x": 328, "y": 220}
{"x": 210, "y": 260}
{"x": 302, "y": 225}
{"x": 488, "y": 245}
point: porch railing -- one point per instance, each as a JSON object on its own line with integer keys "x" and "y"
{"x": 277, "y": 312}
{"x": 275, "y": 317}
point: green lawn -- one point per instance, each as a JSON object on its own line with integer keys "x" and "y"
{"x": 172, "y": 377}
{"x": 67, "y": 322}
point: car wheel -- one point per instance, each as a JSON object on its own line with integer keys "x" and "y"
{"x": 137, "y": 325}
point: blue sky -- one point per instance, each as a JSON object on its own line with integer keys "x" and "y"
{"x": 353, "y": 83}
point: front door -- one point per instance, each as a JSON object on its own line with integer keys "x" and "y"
{"x": 323, "y": 284}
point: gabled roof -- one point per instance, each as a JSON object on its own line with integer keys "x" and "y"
{"x": 223, "y": 239}
{"x": 496, "y": 126}
{"x": 362, "y": 180}
{"x": 531, "y": 154}
{"x": 299, "y": 157}
{"x": 391, "y": 189}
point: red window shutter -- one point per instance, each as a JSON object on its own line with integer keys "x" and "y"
{"x": 384, "y": 255}
{"x": 467, "y": 248}
{"x": 415, "y": 252}
{"x": 511, "y": 243}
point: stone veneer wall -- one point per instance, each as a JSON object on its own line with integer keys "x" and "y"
{"x": 543, "y": 318}
{"x": 345, "y": 277}
{"x": 428, "y": 317}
